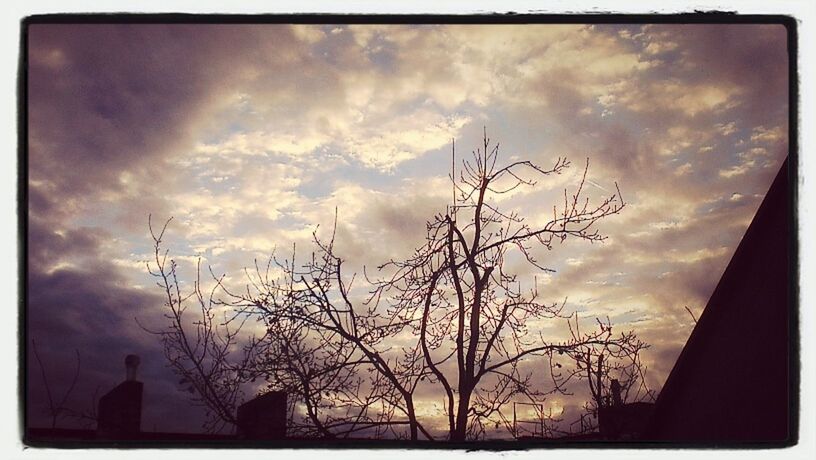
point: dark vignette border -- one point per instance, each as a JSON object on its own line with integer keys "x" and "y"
{"x": 697, "y": 17}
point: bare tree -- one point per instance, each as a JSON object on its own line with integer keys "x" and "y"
{"x": 319, "y": 366}
{"x": 334, "y": 339}
{"x": 57, "y": 407}
{"x": 200, "y": 350}
{"x": 460, "y": 316}
{"x": 473, "y": 313}
{"x": 611, "y": 369}
{"x": 308, "y": 352}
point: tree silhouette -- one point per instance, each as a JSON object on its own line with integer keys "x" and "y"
{"x": 452, "y": 319}
{"x": 459, "y": 287}
{"x": 58, "y": 408}
{"x": 613, "y": 371}
{"x": 200, "y": 351}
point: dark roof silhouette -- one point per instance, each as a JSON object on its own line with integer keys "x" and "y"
{"x": 731, "y": 382}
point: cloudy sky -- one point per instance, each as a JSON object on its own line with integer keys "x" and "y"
{"x": 250, "y": 136}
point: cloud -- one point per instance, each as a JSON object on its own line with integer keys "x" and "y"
{"x": 107, "y": 106}
{"x": 93, "y": 311}
{"x": 251, "y": 136}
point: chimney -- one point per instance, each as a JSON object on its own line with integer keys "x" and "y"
{"x": 131, "y": 367}
{"x": 616, "y": 393}
{"x": 120, "y": 410}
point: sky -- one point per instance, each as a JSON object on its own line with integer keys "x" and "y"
{"x": 251, "y": 136}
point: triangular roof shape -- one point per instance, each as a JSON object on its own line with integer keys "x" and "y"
{"x": 732, "y": 381}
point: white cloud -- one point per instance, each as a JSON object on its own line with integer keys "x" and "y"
{"x": 737, "y": 170}
{"x": 768, "y": 135}
{"x": 726, "y": 129}
{"x": 682, "y": 170}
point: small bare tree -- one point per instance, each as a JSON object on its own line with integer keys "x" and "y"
{"x": 200, "y": 350}
{"x": 57, "y": 408}
{"x": 612, "y": 370}
{"x": 320, "y": 366}
{"x": 460, "y": 316}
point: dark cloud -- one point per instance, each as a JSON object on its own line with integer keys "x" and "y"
{"x": 752, "y": 57}
{"x": 47, "y": 246}
{"x": 94, "y": 312}
{"x": 107, "y": 105}
{"x": 108, "y": 99}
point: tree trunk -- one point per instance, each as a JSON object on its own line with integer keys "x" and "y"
{"x": 460, "y": 433}
{"x": 412, "y": 421}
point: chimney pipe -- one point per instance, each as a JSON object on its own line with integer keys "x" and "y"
{"x": 131, "y": 366}
{"x": 616, "y": 393}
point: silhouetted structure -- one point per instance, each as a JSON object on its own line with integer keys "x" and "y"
{"x": 120, "y": 410}
{"x": 263, "y": 417}
{"x": 131, "y": 367}
{"x": 119, "y": 420}
{"x": 624, "y": 422}
{"x": 731, "y": 382}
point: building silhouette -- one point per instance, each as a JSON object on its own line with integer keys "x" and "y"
{"x": 732, "y": 383}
